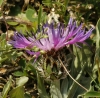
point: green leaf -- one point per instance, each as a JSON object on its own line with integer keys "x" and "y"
{"x": 64, "y": 88}
{"x": 6, "y": 88}
{"x": 3, "y": 43}
{"x": 12, "y": 23}
{"x": 55, "y": 89}
{"x": 98, "y": 34}
{"x": 97, "y": 53}
{"x": 49, "y": 70}
{"x": 22, "y": 80}
{"x": 78, "y": 55}
{"x": 74, "y": 87}
{"x": 39, "y": 15}
{"x": 30, "y": 14}
{"x": 41, "y": 87}
{"x": 66, "y": 2}
{"x": 92, "y": 94}
{"x": 1, "y": 1}
{"x": 82, "y": 60}
{"x": 18, "y": 92}
{"x": 21, "y": 28}
{"x": 18, "y": 73}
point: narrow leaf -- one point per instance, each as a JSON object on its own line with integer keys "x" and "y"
{"x": 39, "y": 15}
{"x": 55, "y": 89}
{"x": 41, "y": 87}
{"x": 97, "y": 53}
{"x": 64, "y": 88}
{"x": 98, "y": 34}
{"x": 6, "y": 88}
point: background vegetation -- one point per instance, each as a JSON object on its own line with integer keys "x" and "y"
{"x": 18, "y": 77}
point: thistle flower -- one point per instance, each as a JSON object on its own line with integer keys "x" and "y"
{"x": 59, "y": 36}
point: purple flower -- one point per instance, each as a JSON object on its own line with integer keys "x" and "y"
{"x": 58, "y": 37}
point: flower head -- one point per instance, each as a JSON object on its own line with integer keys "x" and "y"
{"x": 58, "y": 37}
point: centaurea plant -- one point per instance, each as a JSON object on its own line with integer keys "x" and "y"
{"x": 52, "y": 47}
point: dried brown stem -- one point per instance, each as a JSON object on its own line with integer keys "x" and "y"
{"x": 71, "y": 76}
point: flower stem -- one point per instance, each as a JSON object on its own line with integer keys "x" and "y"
{"x": 71, "y": 76}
